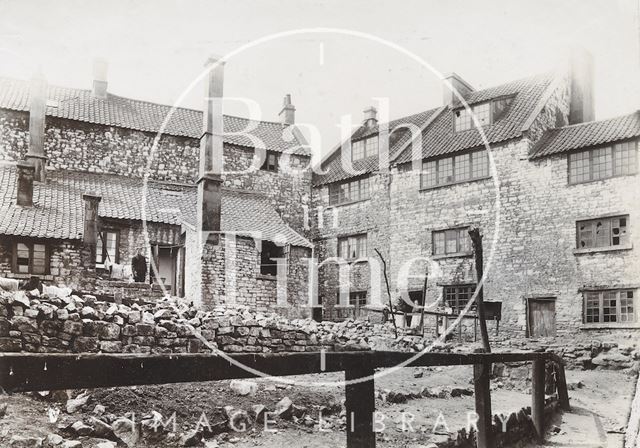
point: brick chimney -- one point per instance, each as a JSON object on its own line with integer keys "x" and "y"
{"x": 100, "y": 68}
{"x": 581, "y": 107}
{"x": 370, "y": 116}
{"x": 211, "y": 150}
{"x": 37, "y": 113}
{"x": 26, "y": 173}
{"x": 457, "y": 85}
{"x": 288, "y": 112}
{"x": 91, "y": 202}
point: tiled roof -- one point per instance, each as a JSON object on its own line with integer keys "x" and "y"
{"x": 58, "y": 209}
{"x": 588, "y": 134}
{"x": 81, "y": 105}
{"x": 333, "y": 166}
{"x": 439, "y": 137}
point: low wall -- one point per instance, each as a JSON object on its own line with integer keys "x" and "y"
{"x": 85, "y": 324}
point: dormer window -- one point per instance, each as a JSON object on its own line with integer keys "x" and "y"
{"x": 270, "y": 162}
{"x": 366, "y": 147}
{"x": 486, "y": 113}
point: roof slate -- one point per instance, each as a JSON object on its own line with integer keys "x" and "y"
{"x": 117, "y": 111}
{"x": 58, "y": 210}
{"x": 588, "y": 134}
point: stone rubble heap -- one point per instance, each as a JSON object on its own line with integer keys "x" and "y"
{"x": 38, "y": 323}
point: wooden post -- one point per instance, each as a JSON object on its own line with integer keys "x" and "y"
{"x": 386, "y": 281}
{"x": 537, "y": 397}
{"x": 482, "y": 392}
{"x": 561, "y": 386}
{"x": 476, "y": 241}
{"x": 360, "y": 406}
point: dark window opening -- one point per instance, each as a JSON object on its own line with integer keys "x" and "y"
{"x": 107, "y": 248}
{"x": 268, "y": 257}
{"x": 270, "y": 162}
{"x": 350, "y": 191}
{"x": 358, "y": 298}
{"x": 352, "y": 247}
{"x": 451, "y": 241}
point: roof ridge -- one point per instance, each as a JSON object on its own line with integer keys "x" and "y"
{"x": 575, "y": 125}
{"x": 156, "y": 103}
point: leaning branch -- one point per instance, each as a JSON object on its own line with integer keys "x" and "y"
{"x": 386, "y": 281}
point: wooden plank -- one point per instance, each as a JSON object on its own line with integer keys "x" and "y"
{"x": 360, "y": 406}
{"x": 481, "y": 377}
{"x": 561, "y": 385}
{"x": 537, "y": 397}
{"x": 50, "y": 371}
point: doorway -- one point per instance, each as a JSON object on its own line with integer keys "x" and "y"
{"x": 541, "y": 317}
{"x": 166, "y": 263}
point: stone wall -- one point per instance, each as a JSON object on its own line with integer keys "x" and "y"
{"x": 84, "y": 324}
{"x": 81, "y": 146}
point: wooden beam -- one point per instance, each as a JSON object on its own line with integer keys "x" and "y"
{"x": 481, "y": 377}
{"x": 21, "y": 372}
{"x": 537, "y": 397}
{"x": 360, "y": 406}
{"x": 561, "y": 387}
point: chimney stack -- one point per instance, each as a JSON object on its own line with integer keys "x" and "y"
{"x": 288, "y": 112}
{"x": 100, "y": 68}
{"x": 26, "y": 173}
{"x": 91, "y": 202}
{"x": 457, "y": 85}
{"x": 370, "y": 116}
{"x": 37, "y": 113}
{"x": 211, "y": 153}
{"x": 581, "y": 107}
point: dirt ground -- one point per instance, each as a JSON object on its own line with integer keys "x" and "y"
{"x": 599, "y": 409}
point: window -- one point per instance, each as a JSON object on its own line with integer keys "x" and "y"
{"x": 31, "y": 258}
{"x": 364, "y": 148}
{"x": 270, "y": 162}
{"x": 609, "y": 306}
{"x": 486, "y": 113}
{"x": 350, "y": 191}
{"x": 107, "y": 247}
{"x": 358, "y": 298}
{"x": 604, "y": 232}
{"x": 268, "y": 258}
{"x": 451, "y": 170}
{"x": 457, "y": 297}
{"x": 352, "y": 247}
{"x": 451, "y": 241}
{"x": 601, "y": 163}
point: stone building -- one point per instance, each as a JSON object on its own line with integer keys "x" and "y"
{"x": 140, "y": 172}
{"x": 551, "y": 190}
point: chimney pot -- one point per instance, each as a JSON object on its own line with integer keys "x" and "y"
{"x": 370, "y": 116}
{"x": 458, "y": 85}
{"x": 26, "y": 173}
{"x": 288, "y": 112}
{"x": 100, "y": 69}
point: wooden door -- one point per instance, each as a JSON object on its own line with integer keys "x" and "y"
{"x": 542, "y": 317}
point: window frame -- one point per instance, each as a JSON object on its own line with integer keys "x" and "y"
{"x": 266, "y": 166}
{"x": 471, "y": 168}
{"x": 100, "y": 265}
{"x": 356, "y": 297}
{"x": 358, "y": 237}
{"x": 609, "y": 219}
{"x": 459, "y": 245}
{"x": 615, "y": 150}
{"x": 30, "y": 245}
{"x": 471, "y": 287}
{"x": 364, "y": 194}
{"x": 600, "y": 293}
{"x": 365, "y": 147}
{"x": 493, "y": 116}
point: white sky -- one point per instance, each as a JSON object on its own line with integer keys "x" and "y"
{"x": 156, "y": 48}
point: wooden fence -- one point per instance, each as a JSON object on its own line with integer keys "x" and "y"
{"x": 21, "y": 372}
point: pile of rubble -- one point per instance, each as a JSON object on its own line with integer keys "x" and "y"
{"x": 35, "y": 322}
